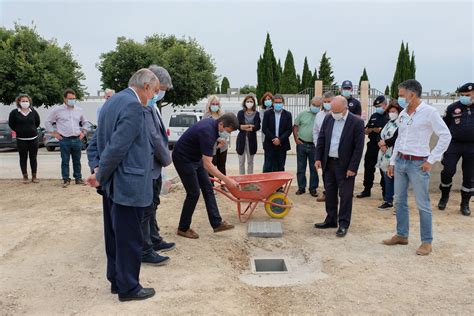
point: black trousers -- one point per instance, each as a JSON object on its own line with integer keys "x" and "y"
{"x": 123, "y": 245}
{"x": 219, "y": 160}
{"x": 150, "y": 228}
{"x": 195, "y": 177}
{"x": 28, "y": 148}
{"x": 450, "y": 160}
{"x": 274, "y": 159}
{"x": 336, "y": 183}
{"x": 370, "y": 160}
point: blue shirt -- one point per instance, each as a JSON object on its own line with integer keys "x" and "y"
{"x": 277, "y": 123}
{"x": 197, "y": 141}
{"x": 336, "y": 136}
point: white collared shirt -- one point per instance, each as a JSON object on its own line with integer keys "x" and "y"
{"x": 138, "y": 98}
{"x": 318, "y": 122}
{"x": 23, "y": 113}
{"x": 277, "y": 122}
{"x": 414, "y": 134}
{"x": 67, "y": 120}
{"x": 336, "y": 135}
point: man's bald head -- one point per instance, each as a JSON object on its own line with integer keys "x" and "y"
{"x": 339, "y": 104}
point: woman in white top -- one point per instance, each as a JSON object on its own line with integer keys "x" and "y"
{"x": 214, "y": 110}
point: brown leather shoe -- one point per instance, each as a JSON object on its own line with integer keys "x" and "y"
{"x": 80, "y": 182}
{"x": 34, "y": 179}
{"x": 188, "y": 234}
{"x": 321, "y": 198}
{"x": 424, "y": 250}
{"x": 223, "y": 226}
{"x": 396, "y": 240}
{"x": 25, "y": 178}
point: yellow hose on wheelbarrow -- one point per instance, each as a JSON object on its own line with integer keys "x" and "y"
{"x": 277, "y": 211}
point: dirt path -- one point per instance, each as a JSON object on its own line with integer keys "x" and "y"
{"x": 52, "y": 260}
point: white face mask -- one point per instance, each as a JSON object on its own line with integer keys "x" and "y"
{"x": 337, "y": 116}
{"x": 25, "y": 104}
{"x": 249, "y": 105}
{"x": 393, "y": 116}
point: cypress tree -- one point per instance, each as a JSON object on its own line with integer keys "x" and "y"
{"x": 307, "y": 76}
{"x": 225, "y": 85}
{"x": 265, "y": 70}
{"x": 289, "y": 80}
{"x": 364, "y": 77}
{"x": 413, "y": 66}
{"x": 387, "y": 91}
{"x": 325, "y": 71}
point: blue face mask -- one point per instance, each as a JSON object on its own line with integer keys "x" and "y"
{"x": 71, "y": 102}
{"x": 214, "y": 108}
{"x": 224, "y": 134}
{"x": 465, "y": 99}
{"x": 267, "y": 103}
{"x": 402, "y": 102}
{"x": 152, "y": 101}
{"x": 327, "y": 106}
{"x": 278, "y": 107}
{"x": 346, "y": 93}
{"x": 314, "y": 109}
{"x": 160, "y": 95}
{"x": 379, "y": 110}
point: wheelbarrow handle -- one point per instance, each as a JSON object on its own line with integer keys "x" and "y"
{"x": 220, "y": 182}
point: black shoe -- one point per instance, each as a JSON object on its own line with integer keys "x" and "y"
{"x": 385, "y": 205}
{"x": 300, "y": 191}
{"x": 341, "y": 232}
{"x": 113, "y": 289}
{"x": 164, "y": 246}
{"x": 66, "y": 183}
{"x": 155, "y": 259}
{"x": 281, "y": 190}
{"x": 313, "y": 193}
{"x": 363, "y": 194}
{"x": 465, "y": 210}
{"x": 143, "y": 294}
{"x": 325, "y": 225}
{"x": 443, "y": 201}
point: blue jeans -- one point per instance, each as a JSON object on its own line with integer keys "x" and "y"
{"x": 305, "y": 153}
{"x": 70, "y": 147}
{"x": 389, "y": 188}
{"x": 274, "y": 160}
{"x": 409, "y": 172}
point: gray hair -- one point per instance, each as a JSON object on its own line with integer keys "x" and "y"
{"x": 107, "y": 90}
{"x": 141, "y": 77}
{"x": 342, "y": 99}
{"x": 163, "y": 75}
{"x": 279, "y": 96}
{"x": 328, "y": 95}
{"x": 411, "y": 85}
{"x": 316, "y": 99}
{"x": 229, "y": 120}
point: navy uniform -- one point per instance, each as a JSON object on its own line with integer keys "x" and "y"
{"x": 459, "y": 118}
{"x": 353, "y": 104}
{"x": 376, "y": 120}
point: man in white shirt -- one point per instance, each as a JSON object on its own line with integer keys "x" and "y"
{"x": 412, "y": 160}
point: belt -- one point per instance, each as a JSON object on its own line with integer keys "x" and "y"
{"x": 332, "y": 159}
{"x": 70, "y": 137}
{"x": 410, "y": 157}
{"x": 308, "y": 143}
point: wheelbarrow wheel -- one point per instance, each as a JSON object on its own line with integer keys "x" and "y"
{"x": 277, "y": 211}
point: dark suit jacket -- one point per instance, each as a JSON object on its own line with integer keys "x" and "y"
{"x": 351, "y": 144}
{"x": 285, "y": 130}
{"x": 122, "y": 149}
{"x": 252, "y": 136}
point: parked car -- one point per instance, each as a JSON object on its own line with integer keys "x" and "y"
{"x": 51, "y": 142}
{"x": 7, "y": 136}
{"x": 179, "y": 123}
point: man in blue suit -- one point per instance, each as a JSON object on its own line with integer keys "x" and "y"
{"x": 277, "y": 127}
{"x": 121, "y": 157}
{"x": 338, "y": 152}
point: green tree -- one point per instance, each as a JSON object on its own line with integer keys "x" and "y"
{"x": 247, "y": 89}
{"x": 314, "y": 78}
{"x": 289, "y": 80}
{"x": 268, "y": 70}
{"x": 36, "y": 66}
{"x": 306, "y": 76}
{"x": 225, "y": 85}
{"x": 218, "y": 90}
{"x": 298, "y": 80}
{"x": 190, "y": 67}
{"x": 325, "y": 71}
{"x": 405, "y": 69}
{"x": 387, "y": 91}
{"x": 363, "y": 77}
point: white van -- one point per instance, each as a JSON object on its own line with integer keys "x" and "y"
{"x": 179, "y": 123}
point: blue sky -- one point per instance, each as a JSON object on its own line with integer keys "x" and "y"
{"x": 355, "y": 34}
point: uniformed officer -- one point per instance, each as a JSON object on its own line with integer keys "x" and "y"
{"x": 353, "y": 103}
{"x": 375, "y": 124}
{"x": 459, "y": 117}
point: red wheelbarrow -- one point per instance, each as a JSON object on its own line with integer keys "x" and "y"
{"x": 255, "y": 188}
